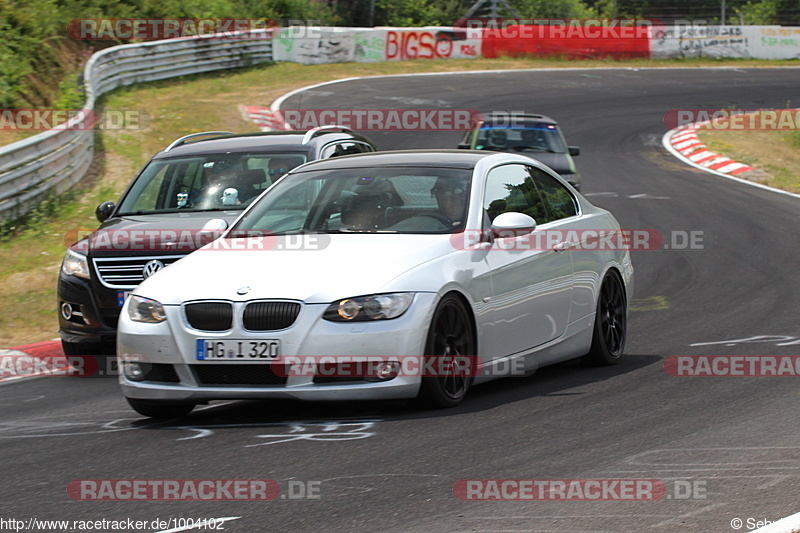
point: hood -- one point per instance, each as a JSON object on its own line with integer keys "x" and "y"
{"x": 342, "y": 266}
{"x": 167, "y": 233}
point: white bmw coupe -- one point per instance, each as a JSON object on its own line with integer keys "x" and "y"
{"x": 392, "y": 275}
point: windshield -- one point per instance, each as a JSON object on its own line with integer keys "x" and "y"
{"x": 363, "y": 200}
{"x": 533, "y": 138}
{"x": 206, "y": 183}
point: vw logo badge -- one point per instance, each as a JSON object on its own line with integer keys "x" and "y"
{"x": 243, "y": 290}
{"x": 151, "y": 268}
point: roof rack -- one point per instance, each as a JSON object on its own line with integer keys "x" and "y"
{"x": 186, "y": 138}
{"x": 310, "y": 134}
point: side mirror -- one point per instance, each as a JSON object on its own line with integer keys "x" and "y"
{"x": 212, "y": 230}
{"x": 574, "y": 150}
{"x": 512, "y": 225}
{"x": 103, "y": 211}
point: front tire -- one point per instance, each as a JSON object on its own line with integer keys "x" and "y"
{"x": 610, "y": 323}
{"x": 451, "y": 340}
{"x": 157, "y": 409}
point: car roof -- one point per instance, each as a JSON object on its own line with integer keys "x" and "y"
{"x": 266, "y": 141}
{"x": 466, "y": 159}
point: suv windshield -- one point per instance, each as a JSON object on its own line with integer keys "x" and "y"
{"x": 363, "y": 200}
{"x": 530, "y": 138}
{"x": 206, "y": 183}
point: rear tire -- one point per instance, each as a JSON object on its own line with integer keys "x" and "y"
{"x": 450, "y": 335}
{"x": 610, "y": 323}
{"x": 158, "y": 409}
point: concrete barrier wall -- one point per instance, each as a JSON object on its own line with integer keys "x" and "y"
{"x": 751, "y": 42}
{"x": 338, "y": 45}
{"x": 334, "y": 45}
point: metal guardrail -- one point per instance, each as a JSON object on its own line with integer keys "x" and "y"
{"x": 55, "y": 160}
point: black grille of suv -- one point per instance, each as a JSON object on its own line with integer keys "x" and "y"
{"x": 267, "y": 316}
{"x": 210, "y": 316}
{"x": 240, "y": 375}
{"x": 127, "y": 272}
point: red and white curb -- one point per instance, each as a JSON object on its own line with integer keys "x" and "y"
{"x": 28, "y": 352}
{"x": 265, "y": 118}
{"x": 684, "y": 144}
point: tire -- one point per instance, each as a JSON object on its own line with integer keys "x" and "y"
{"x": 610, "y": 324}
{"x": 157, "y": 409}
{"x": 450, "y": 334}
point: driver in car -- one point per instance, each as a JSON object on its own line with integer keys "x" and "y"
{"x": 451, "y": 196}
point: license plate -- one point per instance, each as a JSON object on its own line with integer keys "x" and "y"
{"x": 238, "y": 350}
{"x": 121, "y": 297}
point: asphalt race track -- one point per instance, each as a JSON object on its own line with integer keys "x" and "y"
{"x": 723, "y": 447}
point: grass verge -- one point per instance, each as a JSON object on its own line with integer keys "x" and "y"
{"x": 31, "y": 255}
{"x": 774, "y": 154}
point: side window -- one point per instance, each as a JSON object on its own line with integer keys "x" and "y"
{"x": 510, "y": 188}
{"x": 557, "y": 199}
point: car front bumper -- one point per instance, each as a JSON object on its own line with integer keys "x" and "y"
{"x": 171, "y": 346}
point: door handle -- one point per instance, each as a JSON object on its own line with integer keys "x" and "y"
{"x": 561, "y": 247}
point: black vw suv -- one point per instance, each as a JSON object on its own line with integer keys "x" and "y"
{"x": 158, "y": 218}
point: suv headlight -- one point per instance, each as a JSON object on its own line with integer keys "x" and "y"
{"x": 366, "y": 308}
{"x": 75, "y": 264}
{"x": 145, "y": 310}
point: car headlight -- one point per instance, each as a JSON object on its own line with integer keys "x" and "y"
{"x": 145, "y": 310}
{"x": 366, "y": 308}
{"x": 75, "y": 264}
